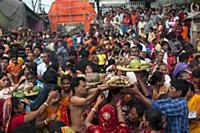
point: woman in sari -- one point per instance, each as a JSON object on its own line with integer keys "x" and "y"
{"x": 111, "y": 119}
{"x": 59, "y": 110}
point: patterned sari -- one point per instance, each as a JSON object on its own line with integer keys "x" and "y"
{"x": 108, "y": 122}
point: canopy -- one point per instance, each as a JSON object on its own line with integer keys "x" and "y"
{"x": 14, "y": 14}
{"x": 71, "y": 12}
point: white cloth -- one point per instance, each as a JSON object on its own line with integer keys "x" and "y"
{"x": 167, "y": 82}
{"x": 132, "y": 78}
{"x": 41, "y": 69}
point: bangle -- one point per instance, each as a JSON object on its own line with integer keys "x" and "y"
{"x": 46, "y": 104}
{"x": 94, "y": 110}
{"x": 45, "y": 122}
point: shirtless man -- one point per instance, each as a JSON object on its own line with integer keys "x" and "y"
{"x": 81, "y": 99}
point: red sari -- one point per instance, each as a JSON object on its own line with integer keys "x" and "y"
{"x": 108, "y": 122}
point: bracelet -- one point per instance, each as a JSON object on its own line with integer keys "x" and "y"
{"x": 94, "y": 110}
{"x": 45, "y": 122}
{"x": 46, "y": 104}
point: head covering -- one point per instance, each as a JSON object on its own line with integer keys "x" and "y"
{"x": 108, "y": 118}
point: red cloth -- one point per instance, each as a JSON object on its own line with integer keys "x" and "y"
{"x": 16, "y": 122}
{"x": 108, "y": 122}
{"x": 126, "y": 21}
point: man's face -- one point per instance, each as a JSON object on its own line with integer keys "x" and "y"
{"x": 135, "y": 52}
{"x": 27, "y": 50}
{"x": 160, "y": 56}
{"x": 30, "y": 57}
{"x": 45, "y": 57}
{"x": 82, "y": 88}
{"x": 37, "y": 52}
{"x": 173, "y": 93}
{"x": 4, "y": 63}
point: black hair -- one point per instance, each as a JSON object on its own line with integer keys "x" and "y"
{"x": 2, "y": 47}
{"x": 154, "y": 117}
{"x": 38, "y": 47}
{"x": 75, "y": 82}
{"x": 2, "y": 75}
{"x": 57, "y": 88}
{"x": 197, "y": 57}
{"x": 50, "y": 77}
{"x": 5, "y": 58}
{"x": 25, "y": 128}
{"x": 163, "y": 96}
{"x": 94, "y": 67}
{"x": 181, "y": 85}
{"x": 183, "y": 57}
{"x": 66, "y": 77}
{"x": 84, "y": 53}
{"x": 196, "y": 73}
{"x": 193, "y": 64}
{"x": 180, "y": 73}
{"x": 156, "y": 77}
{"x": 15, "y": 102}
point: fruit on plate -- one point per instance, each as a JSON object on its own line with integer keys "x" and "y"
{"x": 123, "y": 61}
{"x": 135, "y": 64}
{"x": 116, "y": 80}
{"x": 145, "y": 65}
{"x": 93, "y": 77}
{"x": 19, "y": 94}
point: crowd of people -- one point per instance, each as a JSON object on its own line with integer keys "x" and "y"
{"x": 57, "y": 66}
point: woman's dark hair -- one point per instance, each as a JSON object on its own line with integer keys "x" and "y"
{"x": 180, "y": 74}
{"x": 94, "y": 67}
{"x": 50, "y": 77}
{"x": 15, "y": 102}
{"x": 66, "y": 77}
{"x": 196, "y": 73}
{"x": 75, "y": 82}
{"x": 57, "y": 88}
{"x": 183, "y": 57}
{"x": 163, "y": 96}
{"x": 25, "y": 128}
{"x": 181, "y": 85}
{"x": 156, "y": 77}
{"x": 154, "y": 117}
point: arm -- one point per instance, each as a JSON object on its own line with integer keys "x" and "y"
{"x": 88, "y": 121}
{"x": 34, "y": 114}
{"x": 78, "y": 101}
{"x": 143, "y": 86}
{"x": 120, "y": 112}
{"x": 140, "y": 96}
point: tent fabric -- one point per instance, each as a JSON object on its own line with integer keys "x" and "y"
{"x": 17, "y": 14}
{"x": 71, "y": 12}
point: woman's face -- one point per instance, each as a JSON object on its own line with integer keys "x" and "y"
{"x": 5, "y": 82}
{"x": 163, "y": 69}
{"x": 65, "y": 85}
{"x": 133, "y": 115}
{"x": 88, "y": 70}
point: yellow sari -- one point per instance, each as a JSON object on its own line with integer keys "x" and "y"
{"x": 194, "y": 105}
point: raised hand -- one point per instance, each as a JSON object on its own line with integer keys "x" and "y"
{"x": 100, "y": 99}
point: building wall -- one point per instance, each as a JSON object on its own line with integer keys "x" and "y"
{"x": 157, "y": 3}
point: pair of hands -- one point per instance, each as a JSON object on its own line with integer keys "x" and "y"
{"x": 101, "y": 98}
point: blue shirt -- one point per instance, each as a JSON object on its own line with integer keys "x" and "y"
{"x": 176, "y": 111}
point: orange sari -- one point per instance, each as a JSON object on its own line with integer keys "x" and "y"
{"x": 185, "y": 34}
{"x": 62, "y": 111}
